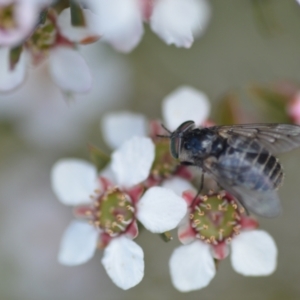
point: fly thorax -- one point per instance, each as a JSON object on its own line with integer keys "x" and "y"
{"x": 197, "y": 144}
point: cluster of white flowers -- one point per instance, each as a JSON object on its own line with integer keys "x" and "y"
{"x": 111, "y": 202}
{"x": 23, "y": 27}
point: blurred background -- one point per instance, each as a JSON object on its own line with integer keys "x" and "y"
{"x": 250, "y": 48}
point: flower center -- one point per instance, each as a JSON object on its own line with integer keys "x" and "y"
{"x": 216, "y": 218}
{"x": 164, "y": 165}
{"x": 115, "y": 212}
{"x": 7, "y": 20}
{"x": 43, "y": 38}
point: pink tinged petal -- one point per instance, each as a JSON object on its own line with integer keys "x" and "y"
{"x": 136, "y": 193}
{"x": 248, "y": 223}
{"x": 160, "y": 209}
{"x": 132, "y": 231}
{"x": 121, "y": 23}
{"x": 10, "y": 79}
{"x": 123, "y": 261}
{"x": 74, "y": 181}
{"x": 186, "y": 233}
{"x": 179, "y": 21}
{"x": 69, "y": 70}
{"x": 132, "y": 162}
{"x": 185, "y": 103}
{"x": 78, "y": 244}
{"x": 192, "y": 267}
{"x": 220, "y": 251}
{"x": 104, "y": 240}
{"x": 189, "y": 197}
{"x": 79, "y": 34}
{"x": 184, "y": 172}
{"x": 178, "y": 185}
{"x": 119, "y": 127}
{"x": 254, "y": 253}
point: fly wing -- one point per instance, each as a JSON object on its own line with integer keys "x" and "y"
{"x": 264, "y": 203}
{"x": 276, "y": 138}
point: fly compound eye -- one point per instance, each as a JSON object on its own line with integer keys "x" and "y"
{"x": 185, "y": 126}
{"x": 176, "y": 137}
{"x": 175, "y": 146}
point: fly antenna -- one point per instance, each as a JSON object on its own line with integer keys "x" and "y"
{"x": 166, "y": 129}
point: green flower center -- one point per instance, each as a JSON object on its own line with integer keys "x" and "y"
{"x": 7, "y": 20}
{"x": 114, "y": 212}
{"x": 164, "y": 164}
{"x": 216, "y": 219}
{"x": 43, "y": 38}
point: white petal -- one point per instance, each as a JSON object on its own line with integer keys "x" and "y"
{"x": 179, "y": 21}
{"x": 69, "y": 70}
{"x": 254, "y": 253}
{"x": 74, "y": 181}
{"x": 121, "y": 126}
{"x": 178, "y": 185}
{"x": 25, "y": 15}
{"x": 10, "y": 79}
{"x": 185, "y": 103}
{"x": 78, "y": 33}
{"x": 121, "y": 23}
{"x": 132, "y": 162}
{"x": 192, "y": 267}
{"x": 78, "y": 244}
{"x": 123, "y": 261}
{"x": 160, "y": 209}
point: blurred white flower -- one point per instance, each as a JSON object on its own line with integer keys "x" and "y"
{"x": 55, "y": 41}
{"x": 113, "y": 210}
{"x": 177, "y": 22}
{"x": 18, "y": 19}
{"x": 183, "y": 104}
{"x": 43, "y": 117}
{"x": 211, "y": 225}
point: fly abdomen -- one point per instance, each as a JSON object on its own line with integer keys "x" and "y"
{"x": 268, "y": 169}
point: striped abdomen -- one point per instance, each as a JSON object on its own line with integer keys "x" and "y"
{"x": 259, "y": 171}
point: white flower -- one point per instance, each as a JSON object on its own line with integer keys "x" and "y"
{"x": 64, "y": 59}
{"x": 159, "y": 210}
{"x": 175, "y": 21}
{"x": 254, "y": 253}
{"x": 79, "y": 34}
{"x": 43, "y": 116}
{"x": 18, "y": 18}
{"x": 178, "y": 22}
{"x": 185, "y": 103}
{"x": 206, "y": 234}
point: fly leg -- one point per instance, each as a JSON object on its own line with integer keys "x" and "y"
{"x": 199, "y": 189}
{"x": 187, "y": 163}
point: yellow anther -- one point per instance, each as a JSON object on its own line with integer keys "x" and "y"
{"x": 120, "y": 217}
{"x": 197, "y": 222}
